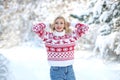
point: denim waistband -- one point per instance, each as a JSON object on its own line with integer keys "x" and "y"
{"x": 62, "y": 73}
{"x": 70, "y": 66}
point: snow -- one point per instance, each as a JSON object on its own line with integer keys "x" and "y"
{"x": 108, "y": 42}
{"x": 105, "y": 16}
{"x": 30, "y": 63}
{"x": 97, "y": 8}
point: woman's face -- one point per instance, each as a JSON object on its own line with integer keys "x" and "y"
{"x": 59, "y": 25}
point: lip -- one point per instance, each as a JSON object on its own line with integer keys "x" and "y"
{"x": 58, "y": 27}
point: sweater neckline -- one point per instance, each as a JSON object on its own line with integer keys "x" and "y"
{"x": 59, "y": 33}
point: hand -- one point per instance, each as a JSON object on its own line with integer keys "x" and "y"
{"x": 79, "y": 25}
{"x": 38, "y": 27}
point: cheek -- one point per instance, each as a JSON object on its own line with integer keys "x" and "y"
{"x": 62, "y": 25}
{"x": 55, "y": 25}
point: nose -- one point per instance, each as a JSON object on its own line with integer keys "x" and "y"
{"x": 59, "y": 24}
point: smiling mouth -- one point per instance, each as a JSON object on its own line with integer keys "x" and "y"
{"x": 59, "y": 28}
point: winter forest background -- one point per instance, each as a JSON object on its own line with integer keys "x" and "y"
{"x": 102, "y": 40}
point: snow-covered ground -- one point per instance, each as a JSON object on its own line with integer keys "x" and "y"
{"x": 30, "y": 63}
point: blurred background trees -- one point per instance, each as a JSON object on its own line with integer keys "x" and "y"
{"x": 103, "y": 17}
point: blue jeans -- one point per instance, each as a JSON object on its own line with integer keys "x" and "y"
{"x": 62, "y": 73}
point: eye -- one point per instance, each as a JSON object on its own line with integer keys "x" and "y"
{"x": 56, "y": 22}
{"x": 61, "y": 22}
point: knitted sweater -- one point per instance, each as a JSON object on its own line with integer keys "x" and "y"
{"x": 60, "y": 46}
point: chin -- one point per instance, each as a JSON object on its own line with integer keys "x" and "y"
{"x": 59, "y": 30}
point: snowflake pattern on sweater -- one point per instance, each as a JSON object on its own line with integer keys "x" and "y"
{"x": 60, "y": 48}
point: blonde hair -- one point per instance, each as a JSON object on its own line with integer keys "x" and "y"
{"x": 66, "y": 27}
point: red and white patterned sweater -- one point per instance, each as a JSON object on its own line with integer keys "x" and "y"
{"x": 60, "y": 46}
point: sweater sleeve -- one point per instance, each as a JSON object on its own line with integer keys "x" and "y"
{"x": 80, "y": 29}
{"x": 39, "y": 29}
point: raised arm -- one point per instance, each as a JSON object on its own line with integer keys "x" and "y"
{"x": 40, "y": 30}
{"x": 80, "y": 29}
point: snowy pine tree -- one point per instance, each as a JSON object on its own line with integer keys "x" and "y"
{"x": 4, "y": 69}
{"x": 103, "y": 14}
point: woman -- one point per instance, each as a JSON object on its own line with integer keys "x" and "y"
{"x": 60, "y": 45}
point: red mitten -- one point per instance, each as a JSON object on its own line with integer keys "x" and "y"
{"x": 38, "y": 27}
{"x": 81, "y": 28}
